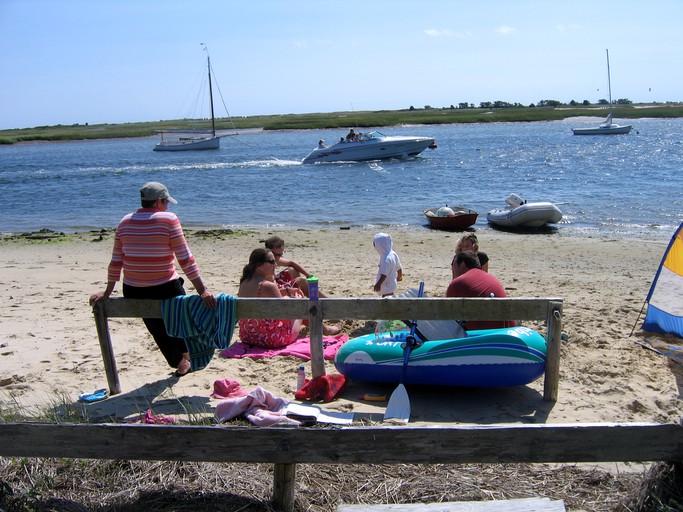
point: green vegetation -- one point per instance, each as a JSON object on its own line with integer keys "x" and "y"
{"x": 487, "y": 112}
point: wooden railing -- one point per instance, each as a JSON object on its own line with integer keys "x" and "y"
{"x": 545, "y": 310}
{"x": 285, "y": 447}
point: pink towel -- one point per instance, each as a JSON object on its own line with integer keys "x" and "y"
{"x": 260, "y": 407}
{"x": 227, "y": 388}
{"x": 300, "y": 348}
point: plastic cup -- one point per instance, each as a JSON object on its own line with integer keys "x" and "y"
{"x": 312, "y": 287}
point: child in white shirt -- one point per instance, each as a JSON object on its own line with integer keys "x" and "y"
{"x": 390, "y": 271}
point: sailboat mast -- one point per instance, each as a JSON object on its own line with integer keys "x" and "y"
{"x": 213, "y": 119}
{"x": 609, "y": 82}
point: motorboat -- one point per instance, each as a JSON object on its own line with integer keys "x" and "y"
{"x": 370, "y": 146}
{"x": 451, "y": 218}
{"x": 522, "y": 214}
{"x": 606, "y": 128}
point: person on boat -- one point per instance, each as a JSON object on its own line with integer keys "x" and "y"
{"x": 146, "y": 244}
{"x": 470, "y": 243}
{"x": 258, "y": 280}
{"x": 389, "y": 271}
{"x": 469, "y": 280}
{"x": 321, "y": 144}
{"x": 351, "y": 136}
{"x": 294, "y": 275}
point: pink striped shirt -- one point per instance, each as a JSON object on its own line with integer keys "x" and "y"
{"x": 145, "y": 247}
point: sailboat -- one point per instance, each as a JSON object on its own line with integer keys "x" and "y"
{"x": 189, "y": 141}
{"x": 608, "y": 127}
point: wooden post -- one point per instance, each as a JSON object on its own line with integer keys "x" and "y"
{"x": 103, "y": 336}
{"x": 284, "y": 476}
{"x": 552, "y": 360}
{"x": 315, "y": 332}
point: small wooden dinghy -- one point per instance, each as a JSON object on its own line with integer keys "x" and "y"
{"x": 451, "y": 218}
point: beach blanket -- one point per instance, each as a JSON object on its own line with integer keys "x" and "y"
{"x": 301, "y": 348}
{"x": 203, "y": 329}
{"x": 260, "y": 407}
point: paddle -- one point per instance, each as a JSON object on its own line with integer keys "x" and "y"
{"x": 398, "y": 408}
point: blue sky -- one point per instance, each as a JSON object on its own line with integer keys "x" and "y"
{"x": 114, "y": 61}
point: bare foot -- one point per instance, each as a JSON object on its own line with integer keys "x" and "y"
{"x": 183, "y": 367}
{"x": 331, "y": 330}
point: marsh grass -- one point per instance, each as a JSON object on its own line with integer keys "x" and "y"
{"x": 361, "y": 119}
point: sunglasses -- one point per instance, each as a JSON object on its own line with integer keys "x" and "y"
{"x": 272, "y": 262}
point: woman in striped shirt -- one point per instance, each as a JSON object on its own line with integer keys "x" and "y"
{"x": 146, "y": 245}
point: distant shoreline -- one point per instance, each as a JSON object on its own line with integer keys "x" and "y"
{"x": 577, "y": 118}
{"x": 341, "y": 120}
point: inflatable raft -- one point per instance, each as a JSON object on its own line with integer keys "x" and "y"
{"x": 488, "y": 358}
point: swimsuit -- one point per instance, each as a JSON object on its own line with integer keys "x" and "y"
{"x": 284, "y": 279}
{"x": 265, "y": 332}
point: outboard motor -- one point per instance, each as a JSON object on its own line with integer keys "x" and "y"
{"x": 514, "y": 201}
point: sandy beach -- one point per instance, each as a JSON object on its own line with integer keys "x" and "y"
{"x": 50, "y": 353}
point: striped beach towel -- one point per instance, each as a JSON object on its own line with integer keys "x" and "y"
{"x": 203, "y": 329}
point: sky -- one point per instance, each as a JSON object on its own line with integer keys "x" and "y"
{"x": 118, "y": 61}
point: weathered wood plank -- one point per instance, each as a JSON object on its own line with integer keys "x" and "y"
{"x": 514, "y": 505}
{"x": 315, "y": 334}
{"x": 364, "y": 445}
{"x": 284, "y": 478}
{"x": 107, "y": 350}
{"x": 437, "y": 309}
{"x": 551, "y": 383}
{"x": 361, "y": 309}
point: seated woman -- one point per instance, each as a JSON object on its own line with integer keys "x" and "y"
{"x": 469, "y": 243}
{"x": 258, "y": 280}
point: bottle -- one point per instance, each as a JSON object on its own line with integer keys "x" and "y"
{"x": 312, "y": 287}
{"x": 300, "y": 378}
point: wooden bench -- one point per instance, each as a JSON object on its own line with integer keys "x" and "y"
{"x": 548, "y": 310}
{"x": 285, "y": 447}
{"x": 544, "y": 310}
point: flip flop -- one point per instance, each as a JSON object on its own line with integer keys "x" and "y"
{"x": 96, "y": 396}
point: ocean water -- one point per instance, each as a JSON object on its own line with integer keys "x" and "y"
{"x": 620, "y": 186}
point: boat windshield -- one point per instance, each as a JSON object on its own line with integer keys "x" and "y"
{"x": 372, "y": 136}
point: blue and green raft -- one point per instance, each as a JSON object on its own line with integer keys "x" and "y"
{"x": 512, "y": 356}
